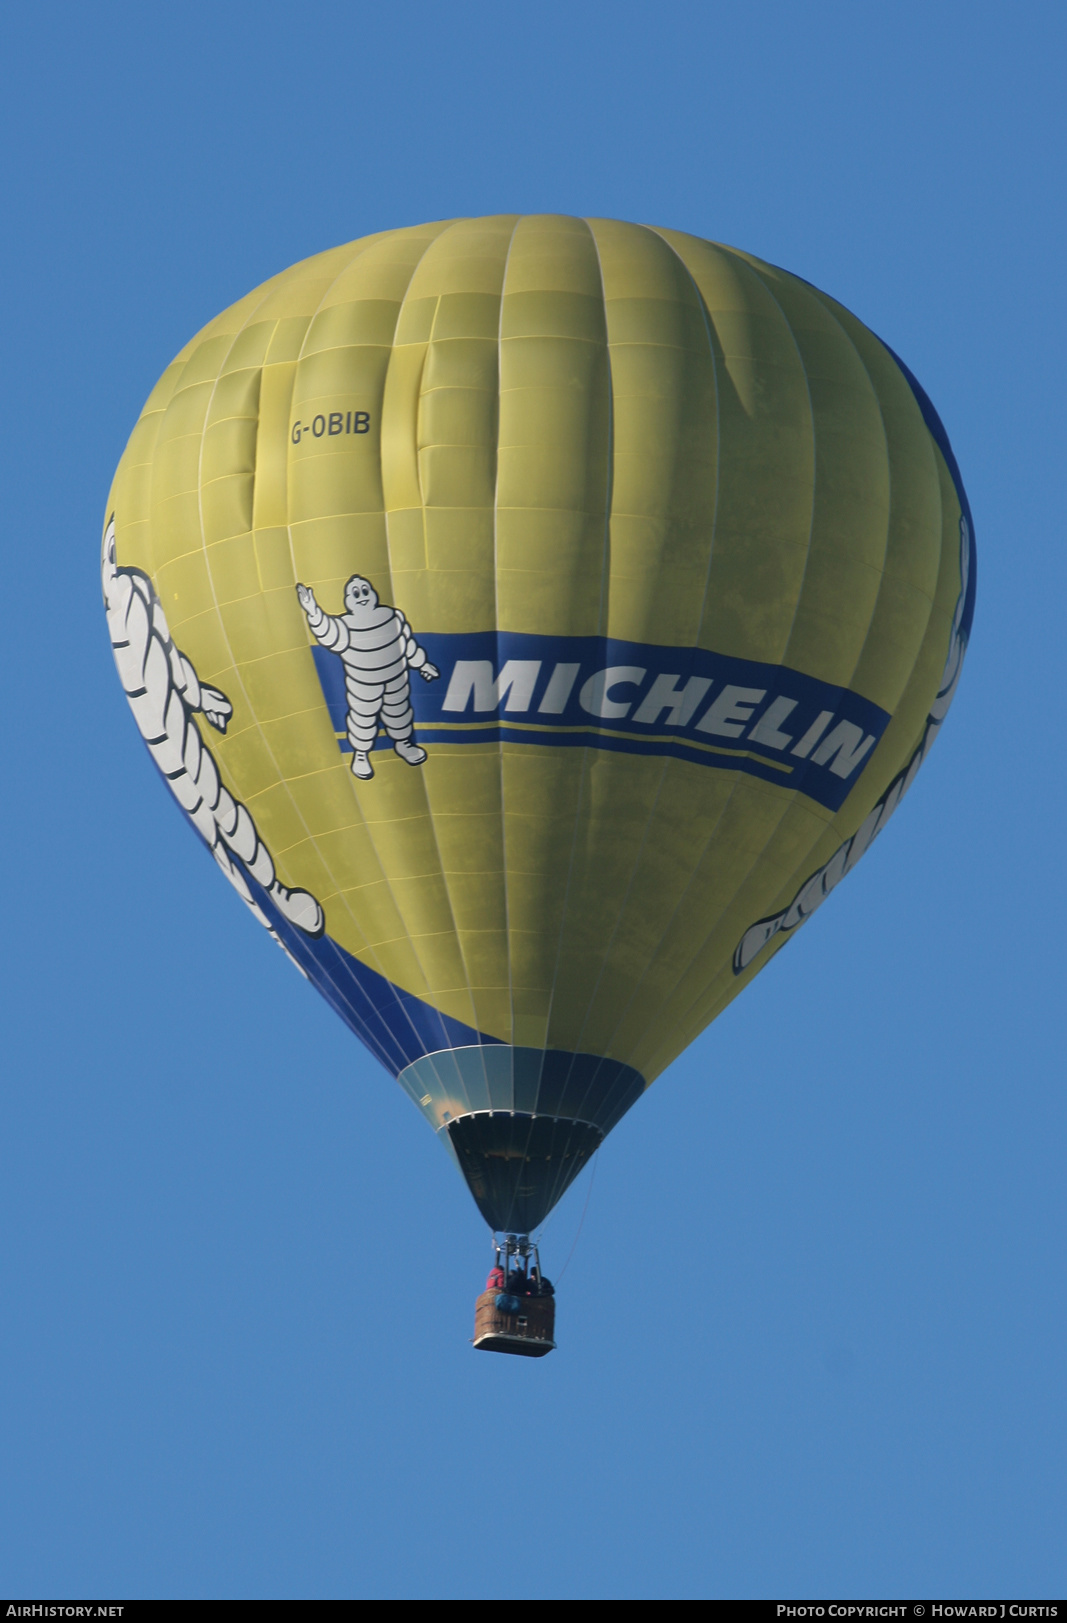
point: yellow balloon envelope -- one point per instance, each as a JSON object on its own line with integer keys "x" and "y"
{"x": 536, "y": 617}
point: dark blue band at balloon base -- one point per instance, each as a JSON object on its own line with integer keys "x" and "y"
{"x": 397, "y": 1027}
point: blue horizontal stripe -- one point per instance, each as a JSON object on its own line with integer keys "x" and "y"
{"x": 502, "y": 733}
{"x": 474, "y": 688}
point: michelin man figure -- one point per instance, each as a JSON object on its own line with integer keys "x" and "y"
{"x": 165, "y": 693}
{"x": 377, "y": 648}
{"x": 815, "y": 890}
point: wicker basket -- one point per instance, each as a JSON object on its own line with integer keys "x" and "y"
{"x": 529, "y": 1333}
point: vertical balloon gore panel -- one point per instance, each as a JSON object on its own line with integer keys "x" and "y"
{"x": 537, "y": 618}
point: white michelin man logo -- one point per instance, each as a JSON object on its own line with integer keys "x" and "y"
{"x": 165, "y": 694}
{"x": 377, "y": 648}
{"x": 815, "y": 890}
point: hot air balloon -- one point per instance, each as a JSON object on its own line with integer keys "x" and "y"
{"x": 536, "y": 618}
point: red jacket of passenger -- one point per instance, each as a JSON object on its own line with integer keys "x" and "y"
{"x": 495, "y": 1282}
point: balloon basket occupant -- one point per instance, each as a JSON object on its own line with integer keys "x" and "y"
{"x": 516, "y": 1313}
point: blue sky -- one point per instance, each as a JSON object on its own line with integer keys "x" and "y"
{"x": 812, "y": 1344}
